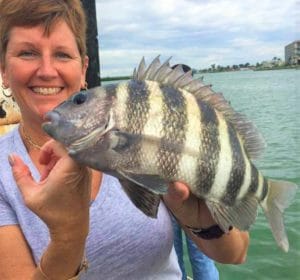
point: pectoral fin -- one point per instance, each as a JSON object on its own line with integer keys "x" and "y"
{"x": 153, "y": 183}
{"x": 142, "y": 198}
{"x": 122, "y": 142}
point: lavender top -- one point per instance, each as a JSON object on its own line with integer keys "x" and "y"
{"x": 122, "y": 243}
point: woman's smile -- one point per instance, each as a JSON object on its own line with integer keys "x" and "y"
{"x": 46, "y": 90}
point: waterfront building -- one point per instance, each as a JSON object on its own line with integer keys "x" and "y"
{"x": 292, "y": 53}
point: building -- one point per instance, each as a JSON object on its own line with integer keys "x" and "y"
{"x": 292, "y": 53}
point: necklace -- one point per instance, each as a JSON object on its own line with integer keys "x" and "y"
{"x": 28, "y": 139}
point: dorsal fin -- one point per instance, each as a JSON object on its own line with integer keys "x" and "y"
{"x": 178, "y": 79}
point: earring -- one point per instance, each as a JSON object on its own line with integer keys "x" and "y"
{"x": 85, "y": 87}
{"x": 5, "y": 91}
{"x": 3, "y": 86}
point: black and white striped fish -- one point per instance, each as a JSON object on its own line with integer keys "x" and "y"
{"x": 163, "y": 126}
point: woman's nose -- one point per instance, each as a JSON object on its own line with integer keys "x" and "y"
{"x": 47, "y": 69}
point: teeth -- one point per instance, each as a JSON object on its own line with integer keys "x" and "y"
{"x": 46, "y": 91}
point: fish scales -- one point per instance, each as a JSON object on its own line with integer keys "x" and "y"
{"x": 137, "y": 106}
{"x": 161, "y": 126}
{"x": 188, "y": 163}
{"x": 174, "y": 131}
{"x": 237, "y": 171}
{"x": 153, "y": 129}
{"x": 121, "y": 104}
{"x": 254, "y": 179}
{"x": 224, "y": 162}
{"x": 260, "y": 186}
{"x": 245, "y": 187}
{"x": 209, "y": 150}
{"x": 265, "y": 189}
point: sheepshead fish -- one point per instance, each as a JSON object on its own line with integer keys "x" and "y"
{"x": 163, "y": 126}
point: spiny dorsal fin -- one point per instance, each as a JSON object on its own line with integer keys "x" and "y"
{"x": 178, "y": 79}
{"x": 138, "y": 74}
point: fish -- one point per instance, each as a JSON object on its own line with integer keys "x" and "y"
{"x": 163, "y": 125}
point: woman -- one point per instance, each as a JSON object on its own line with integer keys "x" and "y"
{"x": 53, "y": 212}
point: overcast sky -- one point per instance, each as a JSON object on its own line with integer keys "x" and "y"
{"x": 194, "y": 32}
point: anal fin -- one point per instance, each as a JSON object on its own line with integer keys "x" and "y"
{"x": 241, "y": 216}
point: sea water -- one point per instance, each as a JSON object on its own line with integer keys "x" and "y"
{"x": 271, "y": 99}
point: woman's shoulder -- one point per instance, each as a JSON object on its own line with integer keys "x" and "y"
{"x": 8, "y": 137}
{"x": 8, "y": 142}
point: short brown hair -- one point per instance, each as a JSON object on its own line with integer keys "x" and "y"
{"x": 46, "y": 12}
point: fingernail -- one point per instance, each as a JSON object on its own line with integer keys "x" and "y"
{"x": 11, "y": 160}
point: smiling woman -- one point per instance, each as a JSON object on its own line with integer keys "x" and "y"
{"x": 54, "y": 211}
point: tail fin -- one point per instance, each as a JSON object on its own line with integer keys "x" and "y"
{"x": 280, "y": 195}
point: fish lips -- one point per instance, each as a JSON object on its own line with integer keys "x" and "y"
{"x": 57, "y": 128}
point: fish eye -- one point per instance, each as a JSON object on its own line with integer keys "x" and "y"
{"x": 79, "y": 98}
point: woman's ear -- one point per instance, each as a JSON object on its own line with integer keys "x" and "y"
{"x": 4, "y": 79}
{"x": 84, "y": 70}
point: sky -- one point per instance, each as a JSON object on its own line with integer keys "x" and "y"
{"x": 194, "y": 32}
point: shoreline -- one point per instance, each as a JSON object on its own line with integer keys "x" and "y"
{"x": 297, "y": 67}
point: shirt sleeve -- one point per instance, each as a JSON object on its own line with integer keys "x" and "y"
{"x": 7, "y": 214}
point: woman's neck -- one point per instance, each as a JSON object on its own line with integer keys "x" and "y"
{"x": 33, "y": 138}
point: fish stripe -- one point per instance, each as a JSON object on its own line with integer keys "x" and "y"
{"x": 174, "y": 125}
{"x": 264, "y": 189}
{"x": 137, "y": 106}
{"x": 238, "y": 169}
{"x": 259, "y": 189}
{"x": 210, "y": 148}
{"x": 136, "y": 116}
{"x": 224, "y": 163}
{"x": 244, "y": 189}
{"x": 153, "y": 129}
{"x": 111, "y": 90}
{"x": 254, "y": 179}
{"x": 121, "y": 105}
{"x": 188, "y": 164}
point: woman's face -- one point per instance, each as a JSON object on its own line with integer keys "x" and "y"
{"x": 42, "y": 71}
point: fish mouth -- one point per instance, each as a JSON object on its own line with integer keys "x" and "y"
{"x": 66, "y": 132}
{"x": 90, "y": 140}
{"x": 52, "y": 120}
{"x": 62, "y": 131}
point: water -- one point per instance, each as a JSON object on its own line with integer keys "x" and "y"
{"x": 271, "y": 99}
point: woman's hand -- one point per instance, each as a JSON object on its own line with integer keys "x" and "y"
{"x": 191, "y": 211}
{"x": 61, "y": 197}
{"x": 187, "y": 208}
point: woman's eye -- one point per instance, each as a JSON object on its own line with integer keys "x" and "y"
{"x": 63, "y": 55}
{"x": 27, "y": 54}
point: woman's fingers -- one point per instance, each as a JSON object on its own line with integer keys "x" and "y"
{"x": 51, "y": 149}
{"x": 23, "y": 176}
{"x": 176, "y": 197}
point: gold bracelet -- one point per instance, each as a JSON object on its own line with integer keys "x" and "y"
{"x": 83, "y": 267}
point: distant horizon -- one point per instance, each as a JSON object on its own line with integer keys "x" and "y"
{"x": 220, "y": 32}
{"x": 201, "y": 69}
